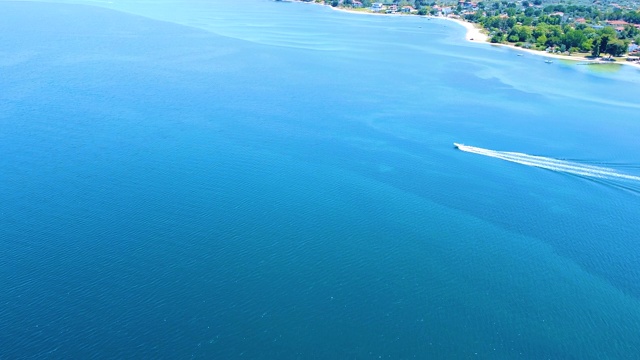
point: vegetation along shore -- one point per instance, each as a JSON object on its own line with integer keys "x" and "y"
{"x": 594, "y": 31}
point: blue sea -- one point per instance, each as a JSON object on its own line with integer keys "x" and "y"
{"x": 190, "y": 179}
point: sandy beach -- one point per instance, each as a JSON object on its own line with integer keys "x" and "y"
{"x": 474, "y": 31}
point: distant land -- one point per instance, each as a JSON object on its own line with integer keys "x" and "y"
{"x": 598, "y": 32}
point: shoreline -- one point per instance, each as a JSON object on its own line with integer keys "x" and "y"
{"x": 474, "y": 33}
{"x": 580, "y": 59}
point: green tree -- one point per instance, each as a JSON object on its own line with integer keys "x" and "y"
{"x": 574, "y": 38}
{"x": 604, "y": 42}
{"x": 608, "y": 31}
{"x": 616, "y": 47}
{"x": 629, "y": 32}
{"x": 520, "y": 33}
{"x": 587, "y": 45}
{"x": 632, "y": 17}
{"x": 497, "y": 37}
{"x": 541, "y": 40}
{"x": 595, "y": 51}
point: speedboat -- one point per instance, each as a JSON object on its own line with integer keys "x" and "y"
{"x": 457, "y": 146}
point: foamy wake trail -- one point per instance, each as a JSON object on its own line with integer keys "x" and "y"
{"x": 551, "y": 164}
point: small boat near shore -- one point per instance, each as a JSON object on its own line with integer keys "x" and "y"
{"x": 548, "y": 61}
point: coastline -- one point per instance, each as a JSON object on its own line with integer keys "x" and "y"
{"x": 474, "y": 33}
{"x": 580, "y": 59}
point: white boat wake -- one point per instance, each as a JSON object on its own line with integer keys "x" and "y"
{"x": 551, "y": 164}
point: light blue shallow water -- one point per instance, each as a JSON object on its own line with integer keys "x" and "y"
{"x": 200, "y": 179}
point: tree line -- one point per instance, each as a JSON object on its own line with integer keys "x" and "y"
{"x": 551, "y": 28}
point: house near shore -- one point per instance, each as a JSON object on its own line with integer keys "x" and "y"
{"x": 559, "y": 14}
{"x": 407, "y": 9}
{"x": 616, "y": 22}
{"x": 465, "y": 4}
{"x": 375, "y": 7}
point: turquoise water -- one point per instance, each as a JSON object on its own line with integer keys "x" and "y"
{"x": 202, "y": 179}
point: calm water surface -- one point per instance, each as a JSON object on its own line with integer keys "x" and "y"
{"x": 204, "y": 179}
